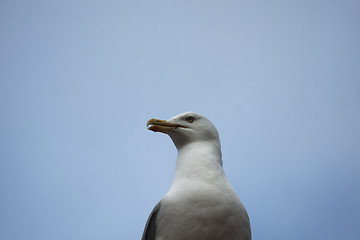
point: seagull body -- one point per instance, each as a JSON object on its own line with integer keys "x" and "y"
{"x": 201, "y": 204}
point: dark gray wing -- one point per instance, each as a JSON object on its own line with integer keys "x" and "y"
{"x": 150, "y": 228}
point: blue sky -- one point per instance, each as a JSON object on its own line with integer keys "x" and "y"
{"x": 79, "y": 79}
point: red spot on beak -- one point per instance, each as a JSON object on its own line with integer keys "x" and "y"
{"x": 154, "y": 128}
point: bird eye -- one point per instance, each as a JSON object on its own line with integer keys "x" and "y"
{"x": 190, "y": 119}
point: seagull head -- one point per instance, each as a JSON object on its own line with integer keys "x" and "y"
{"x": 186, "y": 128}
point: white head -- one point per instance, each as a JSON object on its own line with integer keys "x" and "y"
{"x": 187, "y": 128}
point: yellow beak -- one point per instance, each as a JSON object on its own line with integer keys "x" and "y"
{"x": 161, "y": 125}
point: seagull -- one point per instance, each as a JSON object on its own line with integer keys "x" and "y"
{"x": 201, "y": 204}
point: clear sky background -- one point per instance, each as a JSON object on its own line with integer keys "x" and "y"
{"x": 79, "y": 79}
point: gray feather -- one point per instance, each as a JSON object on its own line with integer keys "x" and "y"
{"x": 150, "y": 227}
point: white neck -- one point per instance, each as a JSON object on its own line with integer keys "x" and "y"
{"x": 199, "y": 161}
